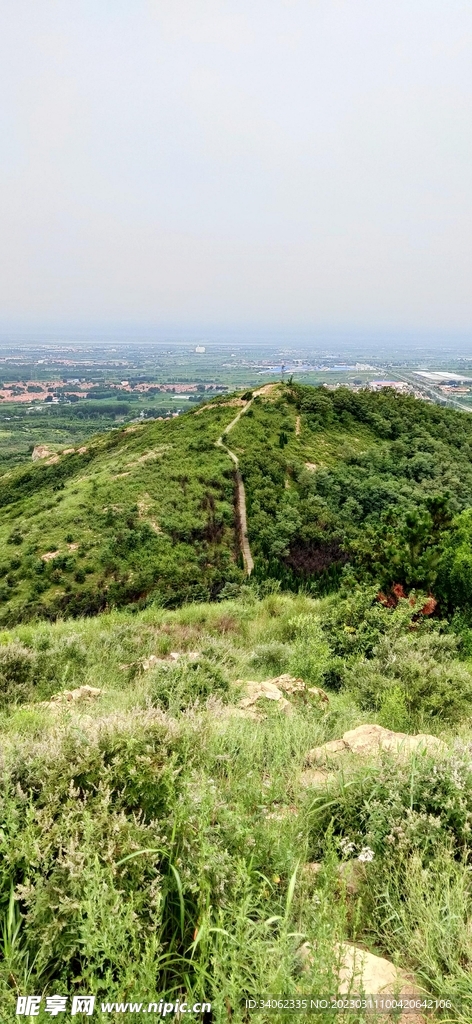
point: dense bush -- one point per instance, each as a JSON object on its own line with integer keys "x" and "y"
{"x": 187, "y": 684}
{"x": 16, "y": 672}
{"x": 154, "y": 840}
{"x": 415, "y": 679}
{"x": 402, "y": 807}
{"x": 310, "y": 651}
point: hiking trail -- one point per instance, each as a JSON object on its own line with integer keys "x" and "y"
{"x": 241, "y": 502}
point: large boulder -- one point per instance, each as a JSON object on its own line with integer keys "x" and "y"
{"x": 368, "y": 740}
{"x": 360, "y": 973}
{"x": 40, "y": 451}
{"x": 268, "y": 690}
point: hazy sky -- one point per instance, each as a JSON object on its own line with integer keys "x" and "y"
{"x": 265, "y": 162}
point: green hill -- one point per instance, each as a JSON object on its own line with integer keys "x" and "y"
{"x": 143, "y": 511}
{"x": 149, "y": 512}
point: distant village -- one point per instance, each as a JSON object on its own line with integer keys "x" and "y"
{"x": 73, "y": 389}
{"x": 58, "y": 390}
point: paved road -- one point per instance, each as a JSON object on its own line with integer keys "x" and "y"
{"x": 241, "y": 503}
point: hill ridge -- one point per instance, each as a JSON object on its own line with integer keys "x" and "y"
{"x": 156, "y": 511}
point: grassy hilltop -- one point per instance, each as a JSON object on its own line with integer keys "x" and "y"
{"x": 175, "y": 830}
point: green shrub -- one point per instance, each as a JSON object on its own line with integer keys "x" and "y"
{"x": 68, "y": 859}
{"x": 15, "y": 537}
{"x": 355, "y": 624}
{"x": 272, "y": 657}
{"x": 428, "y": 682}
{"x": 399, "y": 808}
{"x": 310, "y": 651}
{"x": 229, "y": 592}
{"x": 16, "y": 672}
{"x": 394, "y": 712}
{"x": 184, "y": 685}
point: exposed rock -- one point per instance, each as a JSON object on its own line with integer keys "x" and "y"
{"x": 305, "y": 955}
{"x": 312, "y": 867}
{"x": 274, "y": 689}
{"x": 174, "y": 656}
{"x": 311, "y": 466}
{"x": 288, "y": 683}
{"x": 327, "y": 751}
{"x": 361, "y": 972}
{"x": 352, "y": 873}
{"x": 149, "y": 662}
{"x": 371, "y": 739}
{"x": 40, "y": 451}
{"x": 50, "y": 555}
{"x": 78, "y": 696}
{"x": 314, "y": 777}
{"x": 268, "y": 690}
{"x": 72, "y": 696}
{"x": 291, "y": 684}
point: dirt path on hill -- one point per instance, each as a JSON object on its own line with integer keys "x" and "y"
{"x": 241, "y": 502}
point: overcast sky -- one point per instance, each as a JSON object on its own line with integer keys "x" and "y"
{"x": 269, "y": 162}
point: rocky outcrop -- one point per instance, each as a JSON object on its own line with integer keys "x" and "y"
{"x": 368, "y": 740}
{"x": 81, "y": 695}
{"x": 41, "y": 451}
{"x": 72, "y": 696}
{"x": 274, "y": 689}
{"x": 167, "y": 660}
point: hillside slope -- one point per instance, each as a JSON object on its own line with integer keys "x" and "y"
{"x": 374, "y": 480}
{"x": 164, "y": 834}
{"x": 148, "y": 509}
{"x": 149, "y": 512}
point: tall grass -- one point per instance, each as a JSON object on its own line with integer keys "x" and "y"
{"x": 156, "y": 842}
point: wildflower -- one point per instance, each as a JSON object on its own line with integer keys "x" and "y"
{"x": 366, "y": 855}
{"x": 347, "y": 846}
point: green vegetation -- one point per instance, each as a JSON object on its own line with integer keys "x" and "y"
{"x": 156, "y": 840}
{"x": 158, "y": 834}
{"x": 146, "y": 510}
{"x": 62, "y": 426}
{"x": 379, "y": 483}
{"x": 373, "y": 480}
